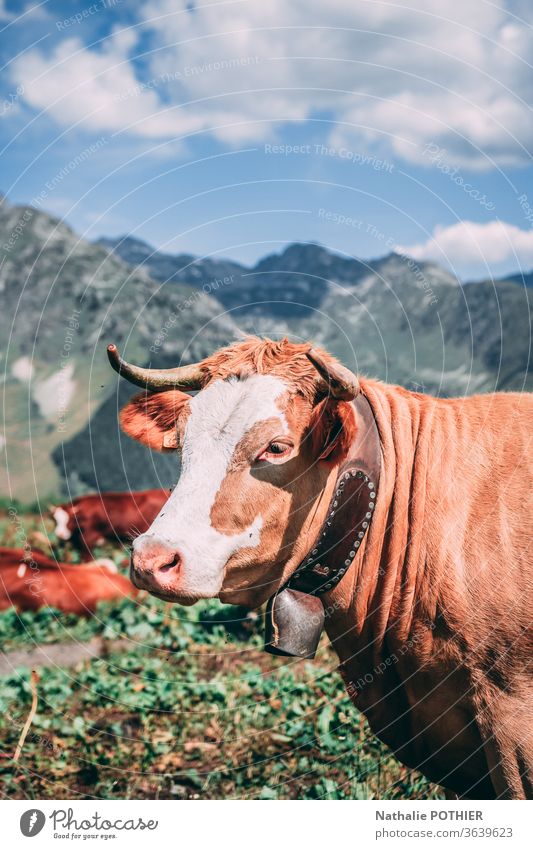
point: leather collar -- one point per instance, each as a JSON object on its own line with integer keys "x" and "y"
{"x": 295, "y": 614}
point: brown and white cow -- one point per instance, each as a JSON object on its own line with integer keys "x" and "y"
{"x": 432, "y": 622}
{"x": 30, "y": 580}
{"x": 90, "y": 520}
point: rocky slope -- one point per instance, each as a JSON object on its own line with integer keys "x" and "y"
{"x": 64, "y": 299}
{"x": 394, "y": 318}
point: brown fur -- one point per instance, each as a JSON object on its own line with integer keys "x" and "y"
{"x": 149, "y": 416}
{"x": 113, "y": 516}
{"x": 441, "y": 591}
{"x": 432, "y": 623}
{"x": 263, "y": 356}
{"x": 45, "y": 582}
{"x": 332, "y": 429}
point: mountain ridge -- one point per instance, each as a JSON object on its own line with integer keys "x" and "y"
{"x": 65, "y": 298}
{"x": 126, "y": 246}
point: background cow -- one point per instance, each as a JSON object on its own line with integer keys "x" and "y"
{"x": 432, "y": 622}
{"x": 90, "y": 520}
{"x": 30, "y": 580}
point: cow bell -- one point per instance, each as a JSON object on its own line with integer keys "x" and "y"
{"x": 293, "y": 624}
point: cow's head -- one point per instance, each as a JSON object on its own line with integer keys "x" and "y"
{"x": 65, "y": 522}
{"x": 259, "y": 444}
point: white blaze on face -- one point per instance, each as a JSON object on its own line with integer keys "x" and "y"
{"x": 21, "y": 571}
{"x": 220, "y": 416}
{"x": 61, "y": 518}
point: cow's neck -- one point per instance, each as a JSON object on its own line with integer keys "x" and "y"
{"x": 295, "y": 614}
{"x": 375, "y": 600}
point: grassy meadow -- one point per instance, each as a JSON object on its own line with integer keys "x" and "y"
{"x": 181, "y": 704}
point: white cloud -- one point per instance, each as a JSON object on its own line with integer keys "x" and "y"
{"x": 390, "y": 76}
{"x": 80, "y": 86}
{"x": 396, "y": 76}
{"x": 99, "y": 91}
{"x": 468, "y": 244}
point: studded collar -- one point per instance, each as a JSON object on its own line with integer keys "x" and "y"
{"x": 295, "y": 615}
{"x": 349, "y": 513}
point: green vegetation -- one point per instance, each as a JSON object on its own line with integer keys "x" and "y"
{"x": 396, "y": 319}
{"x": 189, "y": 707}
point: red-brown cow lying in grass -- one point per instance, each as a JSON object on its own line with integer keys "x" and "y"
{"x": 432, "y": 620}
{"x": 30, "y": 580}
{"x": 89, "y": 520}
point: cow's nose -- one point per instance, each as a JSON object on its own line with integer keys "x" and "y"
{"x": 153, "y": 557}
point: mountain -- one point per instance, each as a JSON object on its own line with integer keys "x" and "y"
{"x": 395, "y": 318}
{"x": 525, "y": 279}
{"x": 171, "y": 268}
{"x": 293, "y": 282}
{"x": 63, "y": 300}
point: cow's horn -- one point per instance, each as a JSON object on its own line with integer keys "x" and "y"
{"x": 183, "y": 377}
{"x": 342, "y": 383}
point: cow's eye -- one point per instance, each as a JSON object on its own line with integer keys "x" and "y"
{"x": 275, "y": 450}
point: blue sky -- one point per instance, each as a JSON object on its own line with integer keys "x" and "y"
{"x": 232, "y": 128}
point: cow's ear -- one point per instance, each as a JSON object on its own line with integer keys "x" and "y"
{"x": 332, "y": 430}
{"x": 151, "y": 418}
